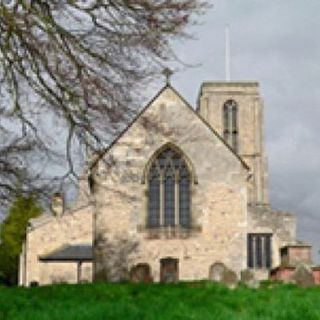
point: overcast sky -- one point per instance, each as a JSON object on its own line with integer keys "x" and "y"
{"x": 276, "y": 43}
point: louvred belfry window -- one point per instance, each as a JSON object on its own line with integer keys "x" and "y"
{"x": 169, "y": 191}
{"x": 230, "y": 124}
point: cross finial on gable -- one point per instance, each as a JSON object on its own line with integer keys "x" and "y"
{"x": 167, "y": 73}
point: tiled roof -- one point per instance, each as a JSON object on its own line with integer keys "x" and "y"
{"x": 80, "y": 252}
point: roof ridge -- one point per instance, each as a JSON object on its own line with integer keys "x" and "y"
{"x": 168, "y": 85}
{"x": 210, "y": 127}
{"x": 114, "y": 141}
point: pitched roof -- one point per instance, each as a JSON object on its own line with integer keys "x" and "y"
{"x": 167, "y": 86}
{"x": 70, "y": 253}
{"x": 297, "y": 244}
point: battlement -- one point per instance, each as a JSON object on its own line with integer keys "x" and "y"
{"x": 231, "y": 88}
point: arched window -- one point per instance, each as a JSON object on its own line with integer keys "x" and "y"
{"x": 230, "y": 124}
{"x": 169, "y": 191}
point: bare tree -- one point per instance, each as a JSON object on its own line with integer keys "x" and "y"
{"x": 81, "y": 62}
{"x": 17, "y": 152}
{"x": 113, "y": 264}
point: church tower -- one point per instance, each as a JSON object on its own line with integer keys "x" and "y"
{"x": 235, "y": 111}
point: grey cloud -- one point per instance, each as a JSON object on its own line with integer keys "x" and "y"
{"x": 276, "y": 43}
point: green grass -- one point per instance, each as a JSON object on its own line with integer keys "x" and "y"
{"x": 184, "y": 301}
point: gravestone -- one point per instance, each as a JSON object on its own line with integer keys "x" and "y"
{"x": 220, "y": 273}
{"x": 303, "y": 276}
{"x": 216, "y": 272}
{"x": 141, "y": 273}
{"x": 247, "y": 277}
{"x": 169, "y": 270}
{"x": 230, "y": 278}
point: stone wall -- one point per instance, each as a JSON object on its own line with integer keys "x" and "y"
{"x": 48, "y": 233}
{"x": 64, "y": 272}
{"x": 282, "y": 225}
{"x": 219, "y": 196}
{"x": 293, "y": 255}
{"x": 228, "y": 199}
{"x": 212, "y": 97}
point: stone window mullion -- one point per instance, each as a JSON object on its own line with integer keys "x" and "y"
{"x": 254, "y": 260}
{"x": 230, "y": 120}
{"x": 263, "y": 252}
{"x": 162, "y": 199}
{"x": 177, "y": 199}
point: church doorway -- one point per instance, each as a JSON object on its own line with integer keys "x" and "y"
{"x": 169, "y": 270}
{"x": 140, "y": 273}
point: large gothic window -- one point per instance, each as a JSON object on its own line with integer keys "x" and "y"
{"x": 169, "y": 191}
{"x": 230, "y": 124}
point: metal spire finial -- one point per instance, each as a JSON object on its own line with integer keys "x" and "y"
{"x": 228, "y": 72}
{"x": 167, "y": 73}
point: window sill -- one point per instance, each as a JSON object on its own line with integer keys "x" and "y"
{"x": 177, "y": 232}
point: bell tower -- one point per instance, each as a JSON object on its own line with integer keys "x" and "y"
{"x": 235, "y": 111}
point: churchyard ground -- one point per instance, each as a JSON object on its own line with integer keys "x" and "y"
{"x": 195, "y": 300}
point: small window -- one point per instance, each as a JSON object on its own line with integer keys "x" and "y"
{"x": 259, "y": 251}
{"x": 230, "y": 124}
{"x": 91, "y": 183}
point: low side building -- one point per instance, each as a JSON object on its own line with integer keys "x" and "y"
{"x": 58, "y": 248}
{"x": 294, "y": 257}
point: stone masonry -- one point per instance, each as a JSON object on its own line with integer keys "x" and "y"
{"x": 229, "y": 197}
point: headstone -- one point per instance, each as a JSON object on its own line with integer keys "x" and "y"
{"x": 169, "y": 270}
{"x": 220, "y": 273}
{"x": 230, "y": 278}
{"x": 34, "y": 284}
{"x": 216, "y": 271}
{"x": 303, "y": 276}
{"x": 247, "y": 277}
{"x": 140, "y": 273}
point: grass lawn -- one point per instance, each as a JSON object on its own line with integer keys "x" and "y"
{"x": 198, "y": 300}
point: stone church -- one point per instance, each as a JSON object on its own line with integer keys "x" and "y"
{"x": 179, "y": 190}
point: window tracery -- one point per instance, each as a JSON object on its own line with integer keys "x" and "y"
{"x": 230, "y": 124}
{"x": 169, "y": 191}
